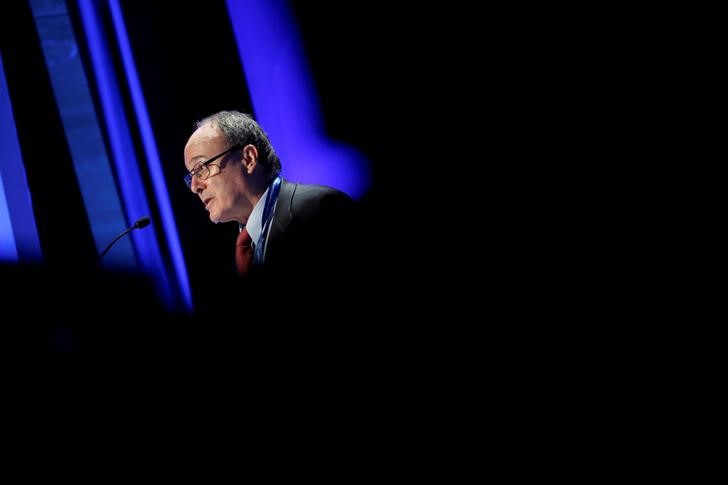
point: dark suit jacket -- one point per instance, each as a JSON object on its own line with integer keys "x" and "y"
{"x": 311, "y": 282}
{"x": 312, "y": 286}
{"x": 313, "y": 237}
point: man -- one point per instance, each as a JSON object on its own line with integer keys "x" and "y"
{"x": 286, "y": 229}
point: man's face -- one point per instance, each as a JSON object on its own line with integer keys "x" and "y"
{"x": 223, "y": 191}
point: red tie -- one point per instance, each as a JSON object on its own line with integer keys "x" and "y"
{"x": 243, "y": 252}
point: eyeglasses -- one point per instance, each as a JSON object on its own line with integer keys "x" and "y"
{"x": 202, "y": 171}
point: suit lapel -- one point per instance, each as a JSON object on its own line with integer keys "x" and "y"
{"x": 282, "y": 217}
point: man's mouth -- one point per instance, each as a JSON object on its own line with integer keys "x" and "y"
{"x": 207, "y": 201}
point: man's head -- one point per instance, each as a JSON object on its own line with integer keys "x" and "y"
{"x": 231, "y": 184}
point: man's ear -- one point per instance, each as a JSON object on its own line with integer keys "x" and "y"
{"x": 250, "y": 158}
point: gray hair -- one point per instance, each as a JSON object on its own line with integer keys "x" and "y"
{"x": 241, "y": 129}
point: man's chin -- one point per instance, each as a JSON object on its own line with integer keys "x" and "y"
{"x": 218, "y": 218}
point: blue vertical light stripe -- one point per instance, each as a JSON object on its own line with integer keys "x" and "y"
{"x": 285, "y": 100}
{"x": 152, "y": 155}
{"x": 18, "y": 232}
{"x": 122, "y": 147}
{"x": 83, "y": 134}
{"x": 8, "y": 250}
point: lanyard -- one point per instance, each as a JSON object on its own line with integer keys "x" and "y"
{"x": 270, "y": 202}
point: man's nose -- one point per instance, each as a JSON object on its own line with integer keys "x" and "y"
{"x": 197, "y": 185}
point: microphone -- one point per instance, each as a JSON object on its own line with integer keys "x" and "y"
{"x": 140, "y": 223}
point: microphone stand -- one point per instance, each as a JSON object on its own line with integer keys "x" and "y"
{"x": 141, "y": 222}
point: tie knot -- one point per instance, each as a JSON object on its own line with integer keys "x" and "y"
{"x": 243, "y": 252}
{"x": 244, "y": 238}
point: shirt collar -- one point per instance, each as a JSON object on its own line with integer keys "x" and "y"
{"x": 255, "y": 221}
